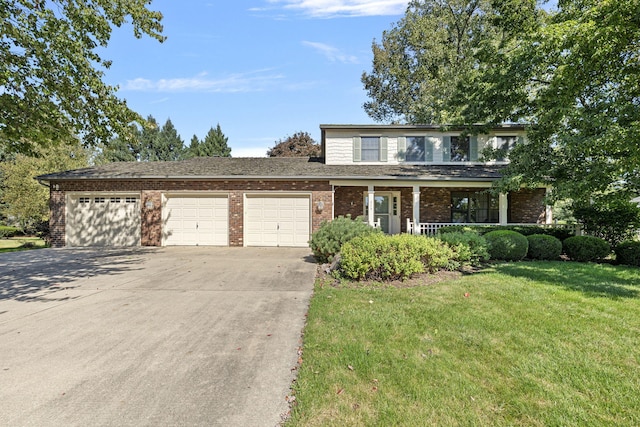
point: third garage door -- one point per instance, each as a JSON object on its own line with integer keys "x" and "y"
{"x": 277, "y": 220}
{"x": 196, "y": 220}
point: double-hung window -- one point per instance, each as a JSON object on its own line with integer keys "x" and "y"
{"x": 415, "y": 149}
{"x": 504, "y": 145}
{"x": 370, "y": 151}
{"x": 460, "y": 149}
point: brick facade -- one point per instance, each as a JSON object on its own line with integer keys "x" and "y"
{"x": 525, "y": 206}
{"x": 151, "y": 191}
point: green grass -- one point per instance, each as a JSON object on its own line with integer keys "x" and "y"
{"x": 14, "y": 244}
{"x": 533, "y": 344}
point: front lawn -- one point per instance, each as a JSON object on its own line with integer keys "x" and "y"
{"x": 529, "y": 343}
{"x": 21, "y": 243}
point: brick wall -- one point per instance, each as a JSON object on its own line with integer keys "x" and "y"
{"x": 527, "y": 206}
{"x": 151, "y": 190}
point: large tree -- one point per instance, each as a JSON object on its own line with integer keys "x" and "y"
{"x": 51, "y": 73}
{"x": 422, "y": 58}
{"x": 24, "y": 199}
{"x": 300, "y": 144}
{"x": 574, "y": 76}
{"x": 214, "y": 144}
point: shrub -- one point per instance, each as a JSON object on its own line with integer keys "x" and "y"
{"x": 470, "y": 248}
{"x": 586, "y": 248}
{"x": 7, "y": 231}
{"x": 525, "y": 230}
{"x": 383, "y": 257}
{"x": 628, "y": 253}
{"x": 507, "y": 245}
{"x": 613, "y": 220}
{"x": 544, "y": 247}
{"x": 329, "y": 238}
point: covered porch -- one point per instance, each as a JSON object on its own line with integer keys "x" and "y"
{"x": 425, "y": 207}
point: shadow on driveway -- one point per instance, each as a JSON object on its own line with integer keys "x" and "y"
{"x": 35, "y": 275}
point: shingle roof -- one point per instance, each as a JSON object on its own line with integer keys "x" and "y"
{"x": 274, "y": 168}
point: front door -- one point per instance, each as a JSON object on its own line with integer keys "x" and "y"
{"x": 386, "y": 210}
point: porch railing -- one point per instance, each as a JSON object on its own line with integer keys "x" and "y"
{"x": 431, "y": 228}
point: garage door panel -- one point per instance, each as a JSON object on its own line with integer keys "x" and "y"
{"x": 191, "y": 220}
{"x": 277, "y": 220}
{"x": 96, "y": 220}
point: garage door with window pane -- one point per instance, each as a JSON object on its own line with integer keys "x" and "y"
{"x": 277, "y": 221}
{"x": 196, "y": 220}
{"x": 103, "y": 220}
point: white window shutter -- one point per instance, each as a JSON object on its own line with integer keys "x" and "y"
{"x": 357, "y": 149}
{"x": 383, "y": 149}
{"x": 402, "y": 148}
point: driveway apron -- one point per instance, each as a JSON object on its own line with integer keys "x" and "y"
{"x": 150, "y": 336}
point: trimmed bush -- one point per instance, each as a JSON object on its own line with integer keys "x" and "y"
{"x": 586, "y": 248}
{"x": 383, "y": 257}
{"x": 329, "y": 238}
{"x": 7, "y": 231}
{"x": 470, "y": 248}
{"x": 525, "y": 230}
{"x": 507, "y": 245}
{"x": 544, "y": 247}
{"x": 628, "y": 253}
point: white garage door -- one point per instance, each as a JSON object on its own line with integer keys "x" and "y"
{"x": 196, "y": 220}
{"x": 103, "y": 220}
{"x": 277, "y": 221}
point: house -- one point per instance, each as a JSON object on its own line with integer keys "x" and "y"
{"x": 417, "y": 178}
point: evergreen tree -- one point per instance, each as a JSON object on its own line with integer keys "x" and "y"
{"x": 168, "y": 145}
{"x": 214, "y": 144}
{"x": 194, "y": 148}
{"x": 149, "y": 137}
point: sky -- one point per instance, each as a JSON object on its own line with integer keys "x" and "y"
{"x": 262, "y": 69}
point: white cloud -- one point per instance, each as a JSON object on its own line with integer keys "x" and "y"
{"x": 254, "y": 81}
{"x": 333, "y": 54}
{"x": 334, "y": 8}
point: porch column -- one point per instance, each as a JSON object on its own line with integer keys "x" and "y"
{"x": 416, "y": 209}
{"x": 503, "y": 204}
{"x": 371, "y": 202}
{"x": 548, "y": 211}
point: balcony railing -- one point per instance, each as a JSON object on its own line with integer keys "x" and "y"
{"x": 431, "y": 228}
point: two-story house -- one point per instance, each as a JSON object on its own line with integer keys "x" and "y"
{"x": 415, "y": 178}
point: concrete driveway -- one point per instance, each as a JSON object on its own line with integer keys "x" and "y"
{"x": 157, "y": 336}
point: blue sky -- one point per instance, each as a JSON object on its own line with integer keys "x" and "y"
{"x": 263, "y": 69}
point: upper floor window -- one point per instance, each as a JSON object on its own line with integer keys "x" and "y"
{"x": 369, "y": 149}
{"x": 504, "y": 145}
{"x": 460, "y": 149}
{"x": 415, "y": 149}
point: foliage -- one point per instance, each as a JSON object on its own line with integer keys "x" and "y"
{"x": 628, "y": 253}
{"x": 574, "y": 76}
{"x": 52, "y": 86}
{"x": 7, "y": 231}
{"x": 301, "y": 144}
{"x": 166, "y": 144}
{"x": 393, "y": 257}
{"x": 612, "y": 220}
{"x": 26, "y": 201}
{"x": 192, "y": 150}
{"x": 586, "y": 248}
{"x": 331, "y": 235}
{"x": 150, "y": 143}
{"x": 507, "y": 245}
{"x": 560, "y": 233}
{"x": 520, "y": 344}
{"x": 469, "y": 247}
{"x": 422, "y": 58}
{"x": 544, "y": 247}
{"x": 214, "y": 144}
